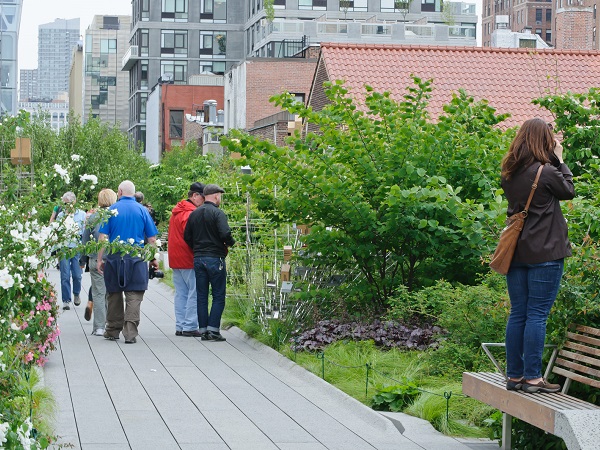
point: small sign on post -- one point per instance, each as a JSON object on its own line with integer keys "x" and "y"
{"x": 21, "y": 154}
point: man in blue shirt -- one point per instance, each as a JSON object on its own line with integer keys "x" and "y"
{"x": 130, "y": 223}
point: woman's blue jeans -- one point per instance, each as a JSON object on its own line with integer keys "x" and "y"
{"x": 532, "y": 289}
{"x": 70, "y": 268}
{"x": 210, "y": 271}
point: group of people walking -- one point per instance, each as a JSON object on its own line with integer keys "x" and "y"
{"x": 199, "y": 238}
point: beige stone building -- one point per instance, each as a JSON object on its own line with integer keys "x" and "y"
{"x": 106, "y": 87}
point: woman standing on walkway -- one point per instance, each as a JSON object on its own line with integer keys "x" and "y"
{"x": 537, "y": 267}
{"x": 106, "y": 198}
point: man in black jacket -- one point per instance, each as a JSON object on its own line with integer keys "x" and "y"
{"x": 209, "y": 236}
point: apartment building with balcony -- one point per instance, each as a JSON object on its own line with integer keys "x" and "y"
{"x": 172, "y": 40}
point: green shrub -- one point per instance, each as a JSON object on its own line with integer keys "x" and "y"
{"x": 469, "y": 315}
{"x": 395, "y": 398}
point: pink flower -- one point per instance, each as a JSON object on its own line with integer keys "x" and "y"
{"x": 41, "y": 361}
{"x": 24, "y": 325}
{"x": 29, "y": 357}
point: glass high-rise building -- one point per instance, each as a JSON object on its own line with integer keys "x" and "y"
{"x": 10, "y": 22}
{"x": 56, "y": 41}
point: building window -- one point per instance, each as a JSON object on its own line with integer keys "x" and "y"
{"x": 213, "y": 11}
{"x": 538, "y": 16}
{"x": 278, "y": 4}
{"x": 316, "y": 5}
{"x": 176, "y": 124}
{"x": 173, "y": 43}
{"x": 108, "y": 46}
{"x": 548, "y": 36}
{"x": 174, "y": 11}
{"x": 354, "y": 5}
{"x": 213, "y": 44}
{"x": 393, "y": 5}
{"x": 144, "y": 42}
{"x": 145, "y": 10}
{"x": 216, "y": 67}
{"x": 538, "y": 31}
{"x": 527, "y": 43}
{"x": 177, "y": 70}
{"x": 549, "y": 15}
{"x": 144, "y": 73}
{"x": 431, "y": 5}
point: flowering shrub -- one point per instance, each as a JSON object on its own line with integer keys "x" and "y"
{"x": 29, "y": 306}
{"x": 28, "y": 311}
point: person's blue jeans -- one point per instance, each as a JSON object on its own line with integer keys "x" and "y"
{"x": 210, "y": 271}
{"x": 186, "y": 300}
{"x": 70, "y": 268}
{"x": 532, "y": 289}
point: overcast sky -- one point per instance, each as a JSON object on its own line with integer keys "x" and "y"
{"x": 37, "y": 12}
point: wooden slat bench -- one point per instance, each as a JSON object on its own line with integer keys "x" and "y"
{"x": 574, "y": 420}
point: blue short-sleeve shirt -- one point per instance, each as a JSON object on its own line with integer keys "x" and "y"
{"x": 131, "y": 222}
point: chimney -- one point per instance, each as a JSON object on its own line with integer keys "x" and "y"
{"x": 210, "y": 111}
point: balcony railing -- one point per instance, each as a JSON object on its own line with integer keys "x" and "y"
{"x": 355, "y": 31}
{"x": 425, "y": 31}
{"x": 462, "y": 32}
{"x": 130, "y": 58}
{"x": 376, "y": 29}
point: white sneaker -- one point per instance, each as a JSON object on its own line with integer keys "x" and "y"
{"x": 98, "y": 332}
{"x": 77, "y": 300}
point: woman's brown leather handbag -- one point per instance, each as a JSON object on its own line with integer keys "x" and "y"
{"x": 510, "y": 234}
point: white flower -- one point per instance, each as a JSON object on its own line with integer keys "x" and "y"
{"x": 14, "y": 326}
{"x": 92, "y": 178}
{"x": 3, "y": 426}
{"x": 62, "y": 172}
{"x": 75, "y": 157}
{"x": 158, "y": 243}
{"x": 33, "y": 261}
{"x": 157, "y": 255}
{"x": 130, "y": 240}
{"x": 6, "y": 279}
{"x": 114, "y": 212}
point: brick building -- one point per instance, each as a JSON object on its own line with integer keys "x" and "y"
{"x": 537, "y": 16}
{"x": 250, "y": 85}
{"x": 174, "y": 112}
{"x": 575, "y": 27}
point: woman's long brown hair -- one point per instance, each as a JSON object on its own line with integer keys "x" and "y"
{"x": 534, "y": 142}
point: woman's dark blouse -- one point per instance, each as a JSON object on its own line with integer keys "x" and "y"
{"x": 544, "y": 236}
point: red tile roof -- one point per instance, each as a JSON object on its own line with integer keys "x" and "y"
{"x": 508, "y": 78}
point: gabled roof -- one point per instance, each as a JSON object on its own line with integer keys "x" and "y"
{"x": 508, "y": 78}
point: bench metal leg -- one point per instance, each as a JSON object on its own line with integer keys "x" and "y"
{"x": 506, "y": 431}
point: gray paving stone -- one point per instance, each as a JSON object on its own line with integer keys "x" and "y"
{"x": 176, "y": 392}
{"x": 300, "y": 446}
{"x": 146, "y": 430}
{"x": 236, "y": 429}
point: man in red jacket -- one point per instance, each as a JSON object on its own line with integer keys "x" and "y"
{"x": 181, "y": 260}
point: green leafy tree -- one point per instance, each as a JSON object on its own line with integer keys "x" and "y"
{"x": 403, "y": 7}
{"x": 380, "y": 186}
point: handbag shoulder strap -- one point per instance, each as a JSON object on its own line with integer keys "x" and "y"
{"x": 533, "y": 187}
